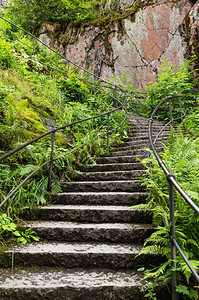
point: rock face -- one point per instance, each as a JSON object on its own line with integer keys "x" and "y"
{"x": 191, "y": 29}
{"x": 136, "y": 43}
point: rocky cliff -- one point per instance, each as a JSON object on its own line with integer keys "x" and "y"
{"x": 136, "y": 39}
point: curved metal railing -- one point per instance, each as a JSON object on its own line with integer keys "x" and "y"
{"x": 172, "y": 184}
{"x": 96, "y": 82}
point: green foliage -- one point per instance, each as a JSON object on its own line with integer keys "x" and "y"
{"x": 9, "y": 229}
{"x": 191, "y": 122}
{"x": 148, "y": 289}
{"x": 31, "y": 14}
{"x": 182, "y": 289}
{"x": 6, "y": 225}
{"x": 172, "y": 82}
{"x": 35, "y": 98}
{"x": 26, "y": 236}
{"x": 181, "y": 156}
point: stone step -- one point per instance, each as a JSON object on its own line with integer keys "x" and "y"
{"x": 145, "y": 123}
{"x": 142, "y": 135}
{"x": 102, "y": 186}
{"x": 120, "y": 159}
{"x": 133, "y": 152}
{"x": 134, "y": 147}
{"x": 141, "y": 144}
{"x": 142, "y": 120}
{"x": 108, "y": 198}
{"x": 91, "y": 213}
{"x": 100, "y": 232}
{"x": 145, "y": 139}
{"x": 78, "y": 255}
{"x": 113, "y": 167}
{"x": 155, "y": 129}
{"x": 145, "y": 127}
{"x": 75, "y": 284}
{"x": 110, "y": 175}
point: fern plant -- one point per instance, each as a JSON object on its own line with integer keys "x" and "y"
{"x": 181, "y": 158}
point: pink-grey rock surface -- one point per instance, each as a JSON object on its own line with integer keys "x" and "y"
{"x": 137, "y": 45}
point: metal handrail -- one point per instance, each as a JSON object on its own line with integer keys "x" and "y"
{"x": 52, "y": 160}
{"x": 172, "y": 184}
{"x": 55, "y": 130}
{"x": 122, "y": 105}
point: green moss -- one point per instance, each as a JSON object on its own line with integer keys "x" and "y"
{"x": 5, "y": 258}
{"x": 100, "y": 22}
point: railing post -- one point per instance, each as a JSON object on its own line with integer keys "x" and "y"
{"x": 33, "y": 47}
{"x": 181, "y": 112}
{"x": 51, "y": 160}
{"x": 115, "y": 96}
{"x": 67, "y": 63}
{"x": 170, "y": 109}
{"x": 108, "y": 127}
{"x": 172, "y": 236}
{"x": 126, "y": 109}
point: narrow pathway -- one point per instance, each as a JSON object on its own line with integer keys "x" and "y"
{"x": 89, "y": 236}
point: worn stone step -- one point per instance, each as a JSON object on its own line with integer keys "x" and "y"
{"x": 145, "y": 127}
{"x": 145, "y": 138}
{"x": 108, "y": 198}
{"x": 141, "y": 146}
{"x": 75, "y": 255}
{"x": 76, "y": 284}
{"x": 73, "y": 284}
{"x": 144, "y": 135}
{"x": 101, "y": 186}
{"x": 91, "y": 213}
{"x": 133, "y": 152}
{"x": 145, "y": 124}
{"x": 113, "y": 167}
{"x": 111, "y": 175}
{"x": 132, "y": 146}
{"x": 100, "y": 232}
{"x": 120, "y": 159}
{"x": 136, "y": 119}
{"x": 155, "y": 129}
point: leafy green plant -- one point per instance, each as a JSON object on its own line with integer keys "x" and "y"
{"x": 26, "y": 236}
{"x": 31, "y": 14}
{"x": 7, "y": 226}
{"x": 9, "y": 229}
{"x": 191, "y": 122}
{"x": 34, "y": 98}
{"x": 172, "y": 82}
{"x": 190, "y": 293}
{"x": 149, "y": 289}
{"x": 181, "y": 158}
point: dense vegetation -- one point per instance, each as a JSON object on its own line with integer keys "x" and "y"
{"x": 35, "y": 98}
{"x": 181, "y": 156}
{"x": 31, "y": 14}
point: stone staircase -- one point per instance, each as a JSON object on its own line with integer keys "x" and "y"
{"x": 90, "y": 237}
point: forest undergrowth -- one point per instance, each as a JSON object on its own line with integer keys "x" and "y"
{"x": 35, "y": 98}
{"x": 39, "y": 92}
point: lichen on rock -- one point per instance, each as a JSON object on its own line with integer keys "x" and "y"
{"x": 135, "y": 39}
